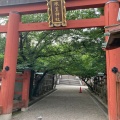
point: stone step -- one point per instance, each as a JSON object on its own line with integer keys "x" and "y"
{"x": 70, "y": 82}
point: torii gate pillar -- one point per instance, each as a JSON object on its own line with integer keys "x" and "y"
{"x": 113, "y": 60}
{"x": 10, "y": 62}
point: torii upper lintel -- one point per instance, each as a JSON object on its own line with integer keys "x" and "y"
{"x": 42, "y": 7}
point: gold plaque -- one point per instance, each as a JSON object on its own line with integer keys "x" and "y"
{"x": 56, "y": 13}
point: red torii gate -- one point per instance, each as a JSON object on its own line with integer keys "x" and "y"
{"x": 15, "y": 26}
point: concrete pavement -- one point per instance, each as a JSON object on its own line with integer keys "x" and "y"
{"x": 64, "y": 104}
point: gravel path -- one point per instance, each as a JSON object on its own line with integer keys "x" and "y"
{"x": 64, "y": 104}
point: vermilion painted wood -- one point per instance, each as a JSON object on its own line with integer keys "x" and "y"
{"x": 10, "y": 59}
{"x": 19, "y": 81}
{"x": 0, "y": 97}
{"x": 71, "y": 24}
{"x": 0, "y": 110}
{"x": 25, "y": 90}
{"x": 114, "y": 28}
{"x": 112, "y": 60}
{"x": 18, "y": 105}
{"x": 42, "y": 7}
{"x": 2, "y": 75}
{"x": 19, "y": 78}
{"x": 18, "y": 93}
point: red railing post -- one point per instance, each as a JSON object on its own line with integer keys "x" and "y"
{"x": 25, "y": 90}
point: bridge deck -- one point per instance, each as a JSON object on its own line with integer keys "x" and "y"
{"x": 64, "y": 104}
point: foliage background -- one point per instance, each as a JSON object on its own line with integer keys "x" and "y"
{"x": 74, "y": 51}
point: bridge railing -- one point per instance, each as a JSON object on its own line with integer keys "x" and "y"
{"x": 21, "y": 89}
{"x": 21, "y": 94}
{"x": 18, "y": 102}
{"x": 99, "y": 87}
{"x": 44, "y": 85}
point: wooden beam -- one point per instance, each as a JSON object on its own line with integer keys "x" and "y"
{"x": 42, "y": 7}
{"x": 113, "y": 28}
{"x": 84, "y": 4}
{"x": 71, "y": 24}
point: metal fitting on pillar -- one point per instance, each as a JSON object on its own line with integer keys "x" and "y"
{"x": 15, "y": 12}
{"x": 112, "y": 1}
{"x": 114, "y": 70}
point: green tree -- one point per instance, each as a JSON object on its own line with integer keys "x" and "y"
{"x": 73, "y": 51}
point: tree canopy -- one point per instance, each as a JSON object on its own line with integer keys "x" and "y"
{"x": 74, "y": 51}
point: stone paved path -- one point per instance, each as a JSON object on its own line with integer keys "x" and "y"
{"x": 64, "y": 104}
